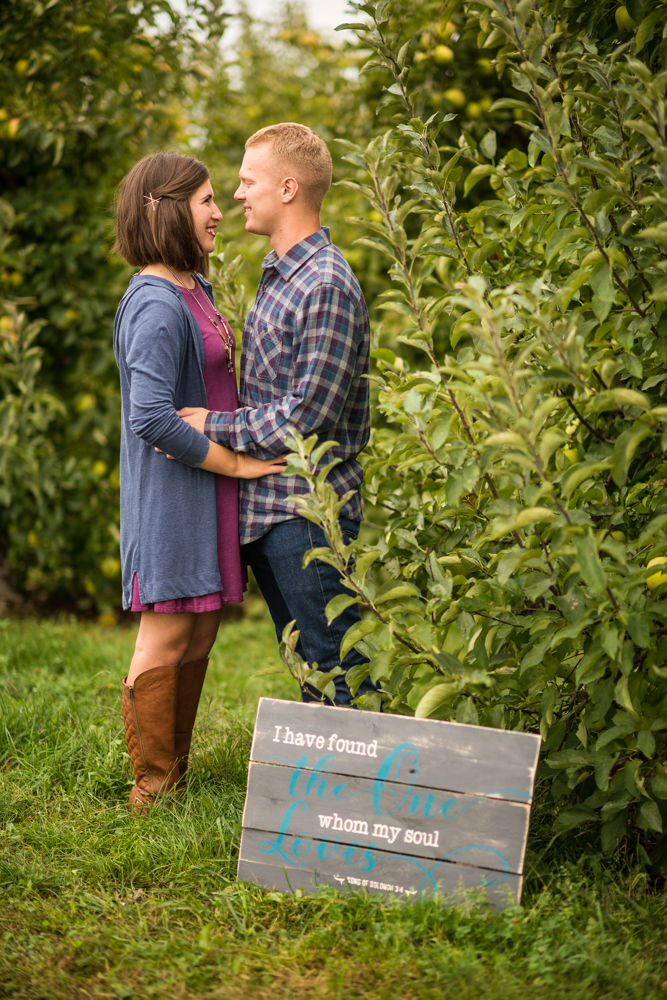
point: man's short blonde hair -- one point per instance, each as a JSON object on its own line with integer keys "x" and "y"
{"x": 299, "y": 148}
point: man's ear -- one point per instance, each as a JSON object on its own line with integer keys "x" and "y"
{"x": 290, "y": 188}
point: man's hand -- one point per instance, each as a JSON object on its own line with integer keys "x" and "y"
{"x": 195, "y": 416}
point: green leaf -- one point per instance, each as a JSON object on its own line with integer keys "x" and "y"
{"x": 440, "y": 250}
{"x": 646, "y": 743}
{"x": 549, "y": 442}
{"x": 338, "y": 604}
{"x": 355, "y": 634}
{"x": 651, "y": 529}
{"x": 602, "y": 283}
{"x": 482, "y": 254}
{"x": 603, "y": 291}
{"x": 269, "y": 671}
{"x": 560, "y": 239}
{"x": 466, "y": 712}
{"x": 612, "y": 833}
{"x": 610, "y": 735}
{"x": 356, "y": 675}
{"x": 590, "y": 566}
{"x": 568, "y": 758}
{"x": 397, "y": 591}
{"x": 649, "y": 816}
{"x": 582, "y": 471}
{"x": 495, "y": 209}
{"x": 603, "y": 765}
{"x": 609, "y": 640}
{"x": 624, "y": 698}
{"x": 531, "y": 515}
{"x": 620, "y": 397}
{"x": 323, "y": 554}
{"x": 434, "y": 699}
{"x": 440, "y": 432}
{"x": 449, "y": 166}
{"x": 476, "y": 175}
{"x": 448, "y": 662}
{"x": 375, "y": 243}
{"x": 489, "y": 144}
{"x": 659, "y": 785}
{"x": 384, "y": 354}
{"x": 461, "y": 482}
{"x": 511, "y": 102}
{"x": 624, "y": 451}
{"x": 509, "y": 562}
{"x": 364, "y": 563}
{"x": 574, "y": 816}
{"x": 632, "y": 365}
{"x": 647, "y": 26}
{"x": 639, "y": 630}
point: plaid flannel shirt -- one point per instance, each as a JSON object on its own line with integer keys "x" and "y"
{"x": 306, "y": 346}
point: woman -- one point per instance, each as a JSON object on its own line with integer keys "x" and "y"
{"x": 173, "y": 349}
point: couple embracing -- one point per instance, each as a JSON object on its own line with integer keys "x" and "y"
{"x": 202, "y": 495}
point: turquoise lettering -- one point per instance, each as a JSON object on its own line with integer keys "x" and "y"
{"x": 297, "y": 846}
{"x": 324, "y": 850}
{"x": 300, "y": 764}
{"x": 403, "y": 753}
{"x": 446, "y": 806}
{"x": 275, "y": 847}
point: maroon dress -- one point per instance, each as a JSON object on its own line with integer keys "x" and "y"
{"x": 220, "y": 385}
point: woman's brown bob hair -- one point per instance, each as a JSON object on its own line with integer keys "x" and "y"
{"x": 164, "y": 234}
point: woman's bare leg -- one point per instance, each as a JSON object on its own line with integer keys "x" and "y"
{"x": 162, "y": 641}
{"x": 203, "y": 636}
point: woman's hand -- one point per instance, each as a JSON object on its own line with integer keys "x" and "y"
{"x": 196, "y": 417}
{"x": 253, "y": 468}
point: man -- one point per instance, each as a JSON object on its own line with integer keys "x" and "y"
{"x": 305, "y": 354}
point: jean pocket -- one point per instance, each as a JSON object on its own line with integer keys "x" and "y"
{"x": 268, "y": 352}
{"x": 349, "y": 530}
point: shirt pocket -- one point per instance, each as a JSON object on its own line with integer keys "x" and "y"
{"x": 268, "y": 352}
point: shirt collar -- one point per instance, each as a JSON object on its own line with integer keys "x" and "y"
{"x": 298, "y": 254}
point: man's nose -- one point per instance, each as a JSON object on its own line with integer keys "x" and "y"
{"x": 237, "y": 194}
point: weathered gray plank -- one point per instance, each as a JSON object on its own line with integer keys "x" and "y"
{"x": 449, "y": 756}
{"x": 410, "y": 879}
{"x": 467, "y": 829}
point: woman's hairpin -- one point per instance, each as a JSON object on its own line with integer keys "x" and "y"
{"x": 152, "y": 201}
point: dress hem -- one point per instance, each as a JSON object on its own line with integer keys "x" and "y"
{"x": 198, "y": 604}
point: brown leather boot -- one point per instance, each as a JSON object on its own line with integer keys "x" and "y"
{"x": 190, "y": 684}
{"x": 149, "y": 713}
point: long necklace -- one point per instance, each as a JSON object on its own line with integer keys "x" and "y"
{"x": 225, "y": 334}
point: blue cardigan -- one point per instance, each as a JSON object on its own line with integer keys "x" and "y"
{"x": 168, "y": 509}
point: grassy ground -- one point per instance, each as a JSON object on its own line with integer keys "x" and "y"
{"x": 96, "y": 903}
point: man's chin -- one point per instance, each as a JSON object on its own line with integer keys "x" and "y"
{"x": 256, "y": 228}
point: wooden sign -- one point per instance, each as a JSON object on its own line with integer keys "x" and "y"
{"x": 385, "y": 803}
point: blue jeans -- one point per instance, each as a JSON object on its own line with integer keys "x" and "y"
{"x": 293, "y": 592}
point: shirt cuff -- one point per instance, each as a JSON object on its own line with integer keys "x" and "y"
{"x": 209, "y": 426}
{"x": 217, "y": 428}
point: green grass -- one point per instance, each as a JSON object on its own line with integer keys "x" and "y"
{"x": 97, "y": 903}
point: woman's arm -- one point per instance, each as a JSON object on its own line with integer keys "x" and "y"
{"x": 238, "y": 465}
{"x": 151, "y": 342}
